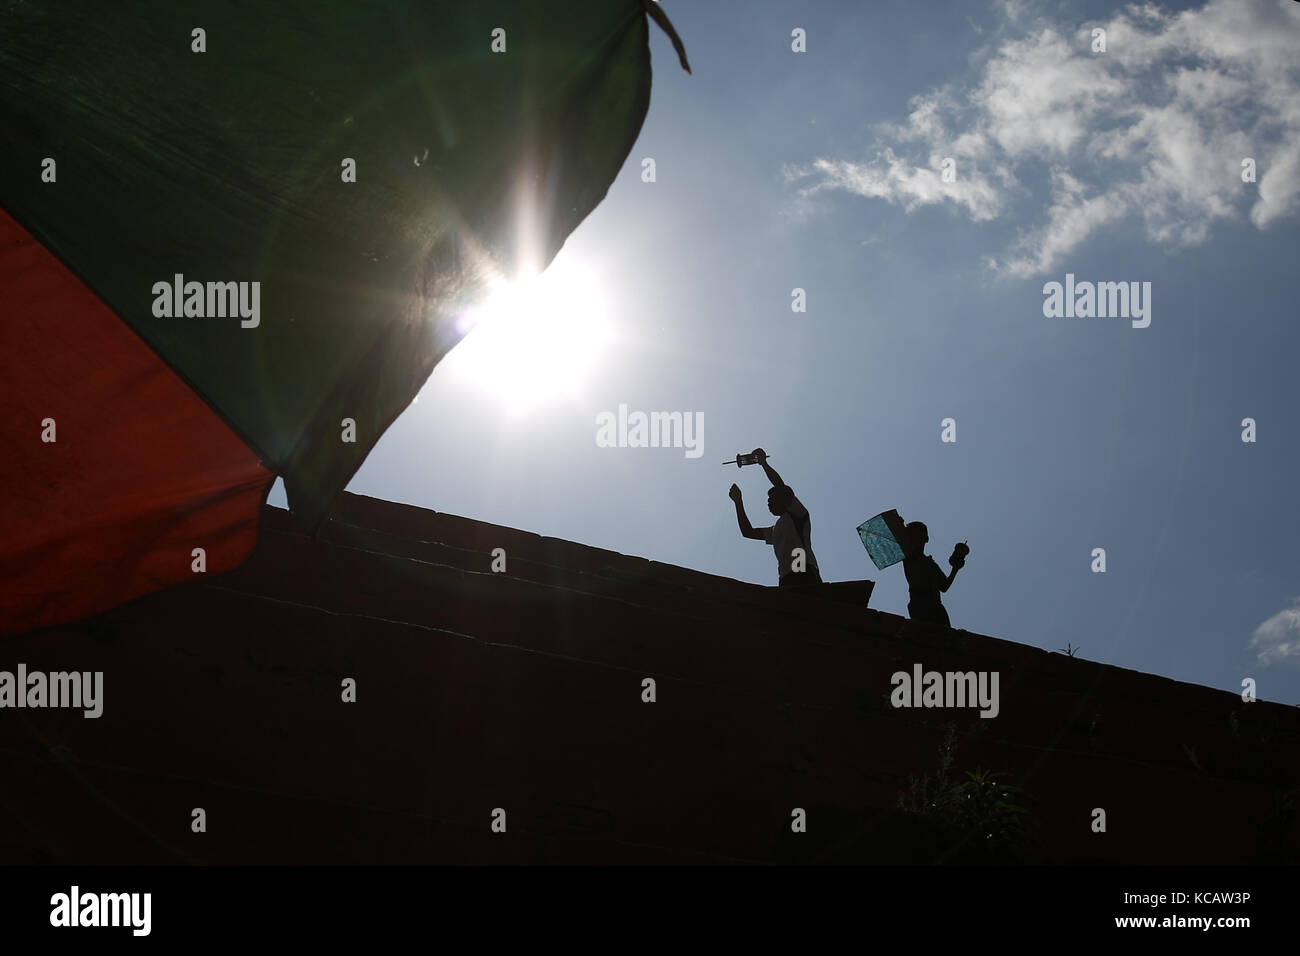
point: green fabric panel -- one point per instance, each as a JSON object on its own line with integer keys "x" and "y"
{"x": 225, "y": 166}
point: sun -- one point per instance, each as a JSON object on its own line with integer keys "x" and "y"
{"x": 533, "y": 339}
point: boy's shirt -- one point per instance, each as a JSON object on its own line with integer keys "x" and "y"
{"x": 786, "y": 535}
{"x": 923, "y": 579}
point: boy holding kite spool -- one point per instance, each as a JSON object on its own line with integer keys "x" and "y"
{"x": 925, "y": 579}
{"x": 791, "y": 536}
{"x": 889, "y": 541}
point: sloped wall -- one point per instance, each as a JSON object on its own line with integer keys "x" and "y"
{"x": 523, "y": 690}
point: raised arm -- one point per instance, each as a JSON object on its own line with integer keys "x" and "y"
{"x": 742, "y": 519}
{"x": 772, "y": 476}
{"x": 958, "y": 561}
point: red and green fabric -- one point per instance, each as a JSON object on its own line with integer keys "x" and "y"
{"x": 226, "y": 166}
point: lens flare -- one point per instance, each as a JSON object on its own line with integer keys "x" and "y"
{"x": 532, "y": 339}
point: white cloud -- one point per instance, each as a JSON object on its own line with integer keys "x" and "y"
{"x": 1278, "y": 638}
{"x": 1154, "y": 129}
{"x": 891, "y": 178}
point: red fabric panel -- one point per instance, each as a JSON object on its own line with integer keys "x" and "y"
{"x": 142, "y": 471}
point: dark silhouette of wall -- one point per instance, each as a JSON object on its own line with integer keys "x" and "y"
{"x": 523, "y": 690}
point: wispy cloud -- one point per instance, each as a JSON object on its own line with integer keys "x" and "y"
{"x": 1153, "y": 130}
{"x": 1278, "y": 639}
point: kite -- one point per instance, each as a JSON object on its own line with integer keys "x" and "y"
{"x": 881, "y": 536}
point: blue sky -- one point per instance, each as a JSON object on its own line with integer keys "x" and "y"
{"x": 778, "y": 170}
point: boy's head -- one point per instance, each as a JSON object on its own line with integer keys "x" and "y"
{"x": 778, "y": 499}
{"x": 918, "y": 536}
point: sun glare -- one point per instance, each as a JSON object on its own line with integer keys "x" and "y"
{"x": 533, "y": 339}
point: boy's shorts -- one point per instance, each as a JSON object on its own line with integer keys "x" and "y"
{"x": 800, "y": 579}
{"x": 931, "y": 613}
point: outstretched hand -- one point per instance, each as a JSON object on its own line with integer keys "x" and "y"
{"x": 958, "y": 559}
{"x": 734, "y": 492}
{"x": 759, "y": 455}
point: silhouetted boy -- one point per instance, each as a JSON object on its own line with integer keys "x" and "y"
{"x": 925, "y": 579}
{"x": 792, "y": 531}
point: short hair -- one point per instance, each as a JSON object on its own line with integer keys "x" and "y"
{"x": 917, "y": 530}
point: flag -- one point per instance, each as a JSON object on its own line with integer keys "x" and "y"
{"x": 235, "y": 239}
